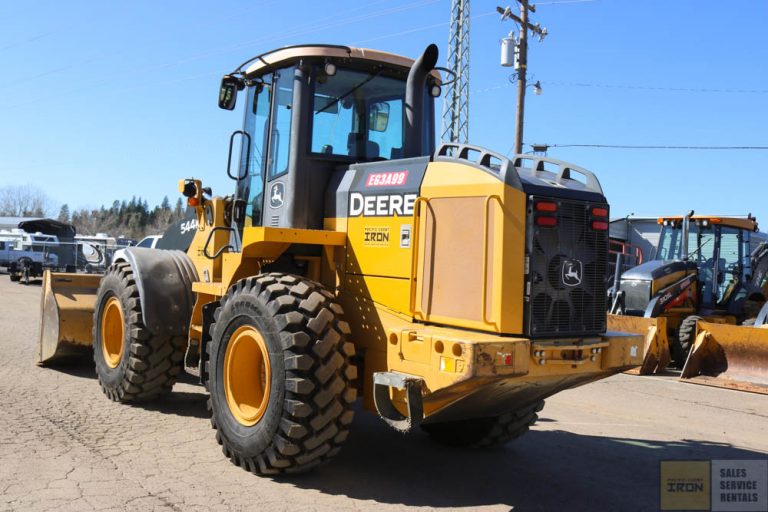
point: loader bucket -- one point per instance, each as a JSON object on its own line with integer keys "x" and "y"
{"x": 729, "y": 356}
{"x": 66, "y": 308}
{"x": 656, "y": 356}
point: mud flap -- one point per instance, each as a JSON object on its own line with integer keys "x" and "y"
{"x": 656, "y": 356}
{"x": 382, "y": 381}
{"x": 66, "y": 309}
{"x": 729, "y": 356}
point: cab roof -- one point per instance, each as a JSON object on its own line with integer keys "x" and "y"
{"x": 283, "y": 56}
{"x": 748, "y": 223}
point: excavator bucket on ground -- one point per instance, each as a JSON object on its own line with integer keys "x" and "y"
{"x": 656, "y": 356}
{"x": 729, "y": 356}
{"x": 67, "y": 306}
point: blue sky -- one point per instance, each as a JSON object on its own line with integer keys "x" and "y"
{"x": 106, "y": 100}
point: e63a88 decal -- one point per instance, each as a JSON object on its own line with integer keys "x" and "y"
{"x": 385, "y": 205}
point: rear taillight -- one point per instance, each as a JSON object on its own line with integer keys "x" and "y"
{"x": 546, "y": 206}
{"x": 545, "y": 213}
{"x": 546, "y": 221}
{"x": 599, "y": 218}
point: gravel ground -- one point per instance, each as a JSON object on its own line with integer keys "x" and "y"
{"x": 64, "y": 446}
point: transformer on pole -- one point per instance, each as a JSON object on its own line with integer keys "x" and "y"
{"x": 455, "y": 127}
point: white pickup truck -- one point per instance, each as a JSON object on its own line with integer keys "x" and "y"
{"x": 27, "y": 255}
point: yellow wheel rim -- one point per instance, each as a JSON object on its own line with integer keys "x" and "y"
{"x": 247, "y": 375}
{"x": 112, "y": 332}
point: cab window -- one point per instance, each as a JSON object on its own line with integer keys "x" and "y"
{"x": 358, "y": 114}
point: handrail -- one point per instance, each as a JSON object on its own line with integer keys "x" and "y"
{"x": 415, "y": 249}
{"x": 222, "y": 249}
{"x": 484, "y": 300}
{"x": 463, "y": 152}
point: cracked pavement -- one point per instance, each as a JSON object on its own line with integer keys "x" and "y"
{"x": 65, "y": 446}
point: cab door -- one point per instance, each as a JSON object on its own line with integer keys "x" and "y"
{"x": 250, "y": 188}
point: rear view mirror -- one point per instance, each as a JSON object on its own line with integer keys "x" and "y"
{"x": 379, "y": 117}
{"x": 228, "y": 92}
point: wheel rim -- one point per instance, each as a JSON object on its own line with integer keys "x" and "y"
{"x": 247, "y": 375}
{"x": 112, "y": 332}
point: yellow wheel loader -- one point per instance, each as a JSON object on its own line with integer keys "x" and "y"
{"x": 703, "y": 270}
{"x": 451, "y": 287}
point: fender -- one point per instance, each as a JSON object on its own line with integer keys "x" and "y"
{"x": 667, "y": 295}
{"x": 164, "y": 279}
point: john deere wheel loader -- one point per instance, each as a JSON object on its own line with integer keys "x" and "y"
{"x": 453, "y": 289}
{"x": 702, "y": 270}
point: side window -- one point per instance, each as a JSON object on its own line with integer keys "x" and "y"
{"x": 257, "y": 126}
{"x": 2, "y": 246}
{"x": 385, "y": 127}
{"x": 280, "y": 142}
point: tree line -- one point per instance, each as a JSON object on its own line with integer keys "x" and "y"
{"x": 128, "y": 218}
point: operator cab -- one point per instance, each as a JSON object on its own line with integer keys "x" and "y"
{"x": 311, "y": 110}
{"x": 719, "y": 248}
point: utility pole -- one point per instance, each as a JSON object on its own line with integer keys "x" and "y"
{"x": 521, "y": 61}
{"x": 455, "y": 126}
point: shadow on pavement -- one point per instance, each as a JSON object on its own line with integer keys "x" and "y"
{"x": 77, "y": 366}
{"x": 543, "y": 470}
{"x": 180, "y": 403}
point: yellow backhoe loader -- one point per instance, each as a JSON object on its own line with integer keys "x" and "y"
{"x": 451, "y": 287}
{"x": 719, "y": 281}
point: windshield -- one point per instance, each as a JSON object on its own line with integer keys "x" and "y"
{"x": 704, "y": 243}
{"x": 358, "y": 114}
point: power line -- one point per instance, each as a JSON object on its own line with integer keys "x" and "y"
{"x": 320, "y": 25}
{"x": 633, "y": 146}
{"x": 636, "y": 87}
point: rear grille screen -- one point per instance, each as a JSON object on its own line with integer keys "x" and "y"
{"x": 567, "y": 270}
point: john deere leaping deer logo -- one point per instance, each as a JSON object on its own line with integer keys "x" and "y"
{"x": 276, "y": 195}
{"x": 572, "y": 272}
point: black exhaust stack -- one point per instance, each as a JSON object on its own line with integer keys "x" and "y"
{"x": 414, "y": 102}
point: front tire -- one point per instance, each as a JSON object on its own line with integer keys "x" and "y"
{"x": 280, "y": 374}
{"x": 132, "y": 364}
{"x": 686, "y": 335}
{"x": 485, "y": 432}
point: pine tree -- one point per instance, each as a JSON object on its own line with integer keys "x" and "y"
{"x": 64, "y": 213}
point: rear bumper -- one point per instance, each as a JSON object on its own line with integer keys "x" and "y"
{"x": 469, "y": 375}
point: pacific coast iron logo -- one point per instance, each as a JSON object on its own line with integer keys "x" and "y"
{"x": 571, "y": 272}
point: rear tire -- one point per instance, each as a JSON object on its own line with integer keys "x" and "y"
{"x": 681, "y": 345}
{"x": 132, "y": 364}
{"x": 485, "y": 432}
{"x": 298, "y": 415}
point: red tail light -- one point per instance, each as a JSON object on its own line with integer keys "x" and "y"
{"x": 599, "y": 225}
{"x": 545, "y": 221}
{"x": 600, "y": 212}
{"x": 546, "y": 206}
